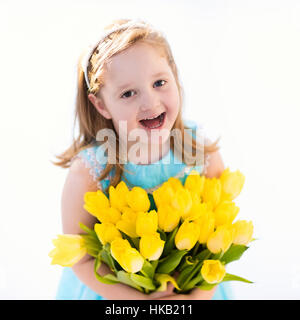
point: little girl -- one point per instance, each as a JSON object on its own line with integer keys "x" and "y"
{"x": 128, "y": 83}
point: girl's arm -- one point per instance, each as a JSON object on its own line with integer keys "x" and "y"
{"x": 215, "y": 166}
{"x": 78, "y": 182}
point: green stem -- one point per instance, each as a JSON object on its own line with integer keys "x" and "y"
{"x": 196, "y": 249}
{"x": 194, "y": 271}
{"x": 144, "y": 273}
{"x": 136, "y": 242}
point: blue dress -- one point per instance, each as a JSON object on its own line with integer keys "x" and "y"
{"x": 149, "y": 177}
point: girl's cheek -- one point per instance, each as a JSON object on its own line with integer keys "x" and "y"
{"x": 173, "y": 100}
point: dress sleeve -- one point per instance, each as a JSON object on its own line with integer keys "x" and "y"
{"x": 199, "y": 129}
{"x": 88, "y": 157}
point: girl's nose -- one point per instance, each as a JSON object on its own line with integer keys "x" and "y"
{"x": 149, "y": 101}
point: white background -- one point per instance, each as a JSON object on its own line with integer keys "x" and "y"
{"x": 240, "y": 68}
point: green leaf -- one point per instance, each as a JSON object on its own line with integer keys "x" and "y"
{"x": 124, "y": 277}
{"x": 89, "y": 238}
{"x": 97, "y": 263}
{"x": 152, "y": 202}
{"x": 184, "y": 274}
{"x": 90, "y": 242}
{"x": 169, "y": 245}
{"x": 206, "y": 286}
{"x": 203, "y": 255}
{"x": 148, "y": 269}
{"x": 154, "y": 264}
{"x": 217, "y": 256}
{"x": 187, "y": 261}
{"x": 233, "y": 253}
{"x": 93, "y": 253}
{"x": 108, "y": 259}
{"x": 108, "y": 279}
{"x": 142, "y": 281}
{"x": 232, "y": 277}
{"x": 136, "y": 242}
{"x": 87, "y": 229}
{"x": 163, "y": 235}
{"x": 104, "y": 256}
{"x": 192, "y": 284}
{"x": 171, "y": 262}
{"x": 111, "y": 277}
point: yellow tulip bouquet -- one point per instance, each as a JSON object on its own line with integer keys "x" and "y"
{"x": 183, "y": 233}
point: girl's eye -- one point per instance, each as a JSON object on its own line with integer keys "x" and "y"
{"x": 128, "y": 94}
{"x": 159, "y": 81}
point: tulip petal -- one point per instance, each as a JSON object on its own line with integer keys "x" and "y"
{"x": 163, "y": 279}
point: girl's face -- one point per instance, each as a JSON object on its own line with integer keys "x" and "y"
{"x": 139, "y": 84}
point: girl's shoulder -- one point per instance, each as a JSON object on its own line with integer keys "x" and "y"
{"x": 213, "y": 162}
{"x": 92, "y": 157}
{"x": 198, "y": 129}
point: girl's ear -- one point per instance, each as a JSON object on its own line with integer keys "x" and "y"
{"x": 98, "y": 103}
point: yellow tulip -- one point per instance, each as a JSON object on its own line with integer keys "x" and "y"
{"x": 232, "y": 183}
{"x": 151, "y": 246}
{"x": 128, "y": 258}
{"x": 182, "y": 201}
{"x": 69, "y": 249}
{"x": 163, "y": 195}
{"x": 220, "y": 240}
{"x": 242, "y": 232}
{"x": 212, "y": 191}
{"x": 196, "y": 211}
{"x": 106, "y": 232}
{"x": 109, "y": 215}
{"x": 187, "y": 235}
{"x": 118, "y": 246}
{"x": 113, "y": 215}
{"x": 195, "y": 197}
{"x": 96, "y": 203}
{"x": 213, "y": 271}
{"x": 117, "y": 196}
{"x": 146, "y": 223}
{"x": 225, "y": 212}
{"x": 138, "y": 199}
{"x": 194, "y": 182}
{"x": 168, "y": 218}
{"x": 175, "y": 183}
{"x": 127, "y": 223}
{"x": 206, "y": 224}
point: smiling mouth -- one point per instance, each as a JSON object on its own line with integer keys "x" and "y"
{"x": 155, "y": 122}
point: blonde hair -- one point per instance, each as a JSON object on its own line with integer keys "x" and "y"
{"x": 91, "y": 121}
